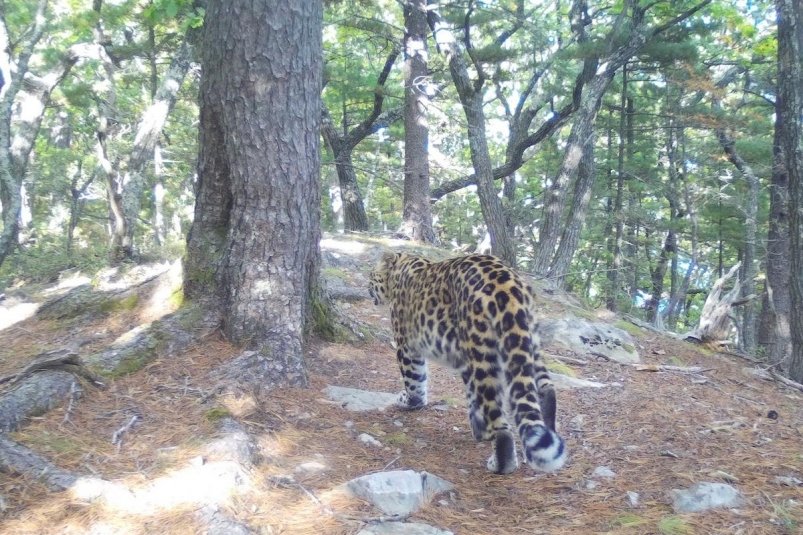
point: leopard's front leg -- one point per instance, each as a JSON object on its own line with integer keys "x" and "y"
{"x": 413, "y": 368}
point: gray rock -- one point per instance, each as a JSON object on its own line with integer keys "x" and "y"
{"x": 567, "y": 382}
{"x": 633, "y": 498}
{"x": 788, "y": 481}
{"x": 398, "y": 492}
{"x": 603, "y": 472}
{"x": 402, "y": 528}
{"x": 368, "y": 440}
{"x": 357, "y": 400}
{"x": 586, "y": 338}
{"x": 704, "y": 496}
{"x": 310, "y": 467}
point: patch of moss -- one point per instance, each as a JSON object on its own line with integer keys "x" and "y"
{"x": 399, "y": 438}
{"x": 189, "y": 317}
{"x": 215, "y": 414}
{"x": 176, "y": 298}
{"x": 629, "y": 348}
{"x": 627, "y": 520}
{"x": 131, "y": 363}
{"x": 674, "y": 525}
{"x": 676, "y": 361}
{"x": 334, "y": 273}
{"x": 631, "y": 329}
{"x": 122, "y": 304}
{"x": 52, "y": 442}
{"x": 585, "y": 314}
{"x": 560, "y": 367}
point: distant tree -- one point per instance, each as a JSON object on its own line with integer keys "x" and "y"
{"x": 253, "y": 246}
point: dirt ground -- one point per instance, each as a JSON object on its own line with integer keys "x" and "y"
{"x": 656, "y": 430}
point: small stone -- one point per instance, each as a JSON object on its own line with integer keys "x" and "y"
{"x": 704, "y": 496}
{"x": 788, "y": 481}
{"x": 310, "y": 467}
{"x": 729, "y": 478}
{"x": 603, "y": 472}
{"x": 633, "y": 498}
{"x": 398, "y": 492}
{"x": 349, "y": 424}
{"x": 368, "y": 440}
{"x": 591, "y": 484}
{"x": 398, "y": 423}
{"x": 353, "y": 399}
{"x": 577, "y": 423}
{"x": 402, "y": 528}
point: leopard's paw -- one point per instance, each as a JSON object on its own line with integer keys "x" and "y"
{"x": 410, "y": 402}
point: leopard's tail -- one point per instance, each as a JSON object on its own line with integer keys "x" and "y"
{"x": 531, "y": 395}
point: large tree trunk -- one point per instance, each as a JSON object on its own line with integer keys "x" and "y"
{"x": 790, "y": 96}
{"x": 774, "y": 333}
{"x": 254, "y": 242}
{"x": 417, "y": 214}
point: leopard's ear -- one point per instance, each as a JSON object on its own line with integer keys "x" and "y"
{"x": 389, "y": 258}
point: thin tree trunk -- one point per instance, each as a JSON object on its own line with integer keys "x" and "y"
{"x": 134, "y": 164}
{"x": 416, "y": 214}
{"x": 747, "y": 341}
{"x": 615, "y": 243}
{"x": 586, "y": 175}
{"x": 471, "y": 97}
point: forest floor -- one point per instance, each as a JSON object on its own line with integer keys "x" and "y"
{"x": 656, "y": 431}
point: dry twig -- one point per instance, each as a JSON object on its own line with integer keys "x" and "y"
{"x": 117, "y": 437}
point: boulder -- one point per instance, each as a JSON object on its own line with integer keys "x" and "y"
{"x": 398, "y": 492}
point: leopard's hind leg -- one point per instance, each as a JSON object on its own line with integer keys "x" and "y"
{"x": 485, "y": 394}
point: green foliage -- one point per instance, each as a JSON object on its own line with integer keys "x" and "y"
{"x": 674, "y": 525}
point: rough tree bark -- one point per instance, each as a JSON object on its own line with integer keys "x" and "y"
{"x": 790, "y": 97}
{"x": 254, "y": 242}
{"x": 417, "y": 213}
{"x": 354, "y": 216}
{"x": 774, "y": 334}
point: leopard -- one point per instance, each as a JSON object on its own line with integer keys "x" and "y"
{"x": 477, "y": 316}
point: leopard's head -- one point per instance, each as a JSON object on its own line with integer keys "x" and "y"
{"x": 379, "y": 277}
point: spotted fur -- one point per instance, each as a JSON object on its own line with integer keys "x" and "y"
{"x": 476, "y": 315}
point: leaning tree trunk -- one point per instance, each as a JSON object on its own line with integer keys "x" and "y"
{"x": 254, "y": 242}
{"x": 135, "y": 164}
{"x": 790, "y": 95}
{"x": 471, "y": 98}
{"x": 586, "y": 175}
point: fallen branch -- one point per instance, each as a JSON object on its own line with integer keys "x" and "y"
{"x": 665, "y": 368}
{"x": 785, "y": 380}
{"x": 117, "y": 437}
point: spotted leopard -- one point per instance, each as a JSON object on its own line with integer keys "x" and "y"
{"x": 475, "y": 315}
